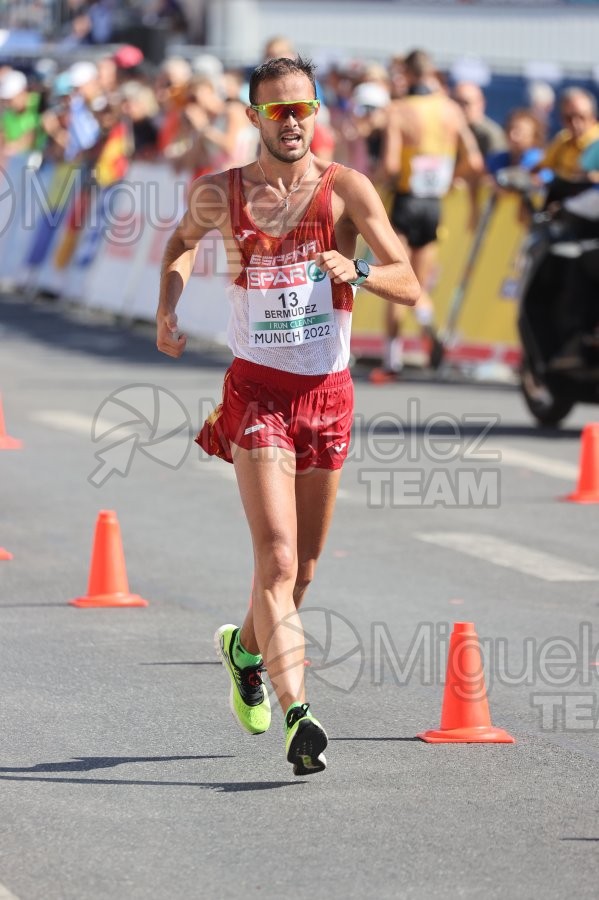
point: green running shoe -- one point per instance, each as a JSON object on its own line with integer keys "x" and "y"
{"x": 248, "y": 698}
{"x": 305, "y": 741}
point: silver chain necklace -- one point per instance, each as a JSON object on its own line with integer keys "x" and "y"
{"x": 285, "y": 200}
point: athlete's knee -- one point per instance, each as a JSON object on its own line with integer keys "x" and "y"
{"x": 276, "y": 562}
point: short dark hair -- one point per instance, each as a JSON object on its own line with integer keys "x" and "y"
{"x": 278, "y": 68}
{"x": 418, "y": 64}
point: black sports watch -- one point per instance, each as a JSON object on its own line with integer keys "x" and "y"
{"x": 362, "y": 271}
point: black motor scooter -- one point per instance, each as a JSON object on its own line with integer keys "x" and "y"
{"x": 558, "y": 296}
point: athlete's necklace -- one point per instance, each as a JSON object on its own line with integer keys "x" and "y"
{"x": 285, "y": 200}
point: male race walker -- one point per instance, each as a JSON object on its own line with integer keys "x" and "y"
{"x": 289, "y": 222}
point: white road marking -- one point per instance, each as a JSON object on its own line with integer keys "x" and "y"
{"x": 64, "y": 420}
{"x": 511, "y": 556}
{"x": 5, "y": 894}
{"x": 544, "y": 465}
{"x": 78, "y": 423}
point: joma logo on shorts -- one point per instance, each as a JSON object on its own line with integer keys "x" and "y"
{"x": 290, "y": 276}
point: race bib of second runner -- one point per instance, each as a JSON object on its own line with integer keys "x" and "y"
{"x": 431, "y": 175}
{"x": 289, "y": 305}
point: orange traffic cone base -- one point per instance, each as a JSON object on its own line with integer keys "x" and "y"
{"x": 10, "y": 443}
{"x": 112, "y": 600}
{"x": 4, "y": 554}
{"x": 6, "y": 441}
{"x": 476, "y": 735}
{"x": 587, "y": 489}
{"x": 582, "y": 497}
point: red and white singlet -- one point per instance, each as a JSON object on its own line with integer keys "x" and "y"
{"x": 285, "y": 312}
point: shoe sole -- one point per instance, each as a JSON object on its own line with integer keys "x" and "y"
{"x": 306, "y": 749}
{"x": 221, "y": 657}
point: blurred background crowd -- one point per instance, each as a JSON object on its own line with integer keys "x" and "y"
{"x": 118, "y": 84}
{"x": 192, "y": 113}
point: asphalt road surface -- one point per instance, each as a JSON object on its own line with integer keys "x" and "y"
{"x": 123, "y": 774}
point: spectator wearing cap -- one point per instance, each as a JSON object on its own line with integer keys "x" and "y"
{"x": 55, "y": 119}
{"x": 365, "y": 128}
{"x": 83, "y": 130}
{"x": 20, "y": 119}
{"x": 129, "y": 61}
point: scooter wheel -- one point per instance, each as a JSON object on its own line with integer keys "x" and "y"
{"x": 547, "y": 408}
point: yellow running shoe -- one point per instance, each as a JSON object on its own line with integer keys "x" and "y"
{"x": 248, "y": 698}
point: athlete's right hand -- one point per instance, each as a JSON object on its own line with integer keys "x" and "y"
{"x": 168, "y": 339}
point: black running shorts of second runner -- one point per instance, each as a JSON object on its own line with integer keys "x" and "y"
{"x": 416, "y": 218}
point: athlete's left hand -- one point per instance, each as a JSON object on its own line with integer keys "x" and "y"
{"x": 338, "y": 268}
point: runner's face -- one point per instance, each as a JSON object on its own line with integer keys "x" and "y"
{"x": 287, "y": 140}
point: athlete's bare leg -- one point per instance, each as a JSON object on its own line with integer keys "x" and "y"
{"x": 315, "y": 495}
{"x": 395, "y": 316}
{"x": 266, "y": 479}
{"x": 423, "y": 261}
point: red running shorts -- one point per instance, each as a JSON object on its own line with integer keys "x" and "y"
{"x": 309, "y": 415}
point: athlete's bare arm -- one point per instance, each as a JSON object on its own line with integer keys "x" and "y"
{"x": 206, "y": 211}
{"x": 358, "y": 209}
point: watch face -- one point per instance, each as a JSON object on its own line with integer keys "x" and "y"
{"x": 362, "y": 268}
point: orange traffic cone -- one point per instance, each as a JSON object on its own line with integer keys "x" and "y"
{"x": 465, "y": 716}
{"x": 108, "y": 585}
{"x": 4, "y": 554}
{"x": 587, "y": 490}
{"x": 7, "y": 442}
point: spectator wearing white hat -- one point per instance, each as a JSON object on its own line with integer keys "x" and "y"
{"x": 20, "y": 120}
{"x": 84, "y": 130}
{"x": 365, "y": 128}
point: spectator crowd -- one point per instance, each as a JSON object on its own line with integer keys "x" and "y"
{"x": 192, "y": 113}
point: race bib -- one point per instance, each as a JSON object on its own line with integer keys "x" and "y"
{"x": 431, "y": 175}
{"x": 289, "y": 305}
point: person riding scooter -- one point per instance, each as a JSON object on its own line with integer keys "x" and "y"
{"x": 559, "y": 313}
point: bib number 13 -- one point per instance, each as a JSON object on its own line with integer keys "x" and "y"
{"x": 289, "y": 299}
